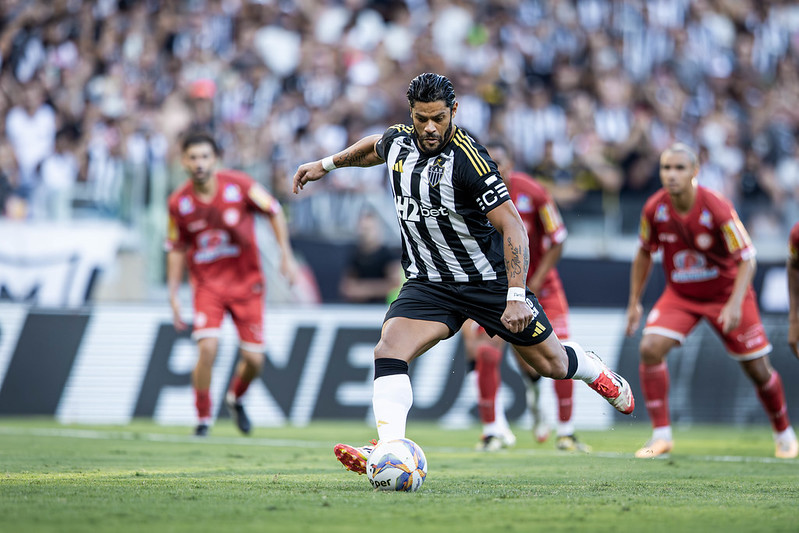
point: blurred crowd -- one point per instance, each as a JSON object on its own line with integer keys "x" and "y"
{"x": 94, "y": 96}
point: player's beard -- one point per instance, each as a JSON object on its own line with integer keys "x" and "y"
{"x": 441, "y": 140}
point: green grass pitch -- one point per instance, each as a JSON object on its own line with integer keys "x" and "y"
{"x": 145, "y": 477}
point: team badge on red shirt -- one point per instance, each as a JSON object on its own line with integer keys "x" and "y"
{"x": 231, "y": 216}
{"x": 706, "y": 219}
{"x": 185, "y": 206}
{"x": 662, "y": 213}
{"x": 232, "y": 193}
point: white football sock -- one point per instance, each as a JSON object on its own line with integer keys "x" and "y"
{"x": 391, "y": 401}
{"x": 587, "y": 369}
{"x": 565, "y": 429}
{"x": 663, "y": 432}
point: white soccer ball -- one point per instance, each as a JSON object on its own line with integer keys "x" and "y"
{"x": 397, "y": 465}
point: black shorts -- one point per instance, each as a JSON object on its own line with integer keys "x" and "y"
{"x": 452, "y": 303}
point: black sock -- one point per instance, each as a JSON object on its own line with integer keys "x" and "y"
{"x": 386, "y": 366}
{"x": 572, "y": 355}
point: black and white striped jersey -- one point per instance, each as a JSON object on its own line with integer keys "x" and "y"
{"x": 441, "y": 202}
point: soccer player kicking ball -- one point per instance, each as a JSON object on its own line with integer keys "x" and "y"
{"x": 211, "y": 228}
{"x": 709, "y": 263}
{"x": 465, "y": 255}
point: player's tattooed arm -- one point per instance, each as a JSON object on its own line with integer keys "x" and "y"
{"x": 360, "y": 154}
{"x": 518, "y": 260}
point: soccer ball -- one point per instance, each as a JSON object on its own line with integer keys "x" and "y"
{"x": 397, "y": 465}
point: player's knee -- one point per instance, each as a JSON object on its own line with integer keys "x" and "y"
{"x": 488, "y": 355}
{"x": 652, "y": 351}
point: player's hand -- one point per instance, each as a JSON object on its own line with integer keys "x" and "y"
{"x": 307, "y": 172}
{"x": 517, "y": 316}
{"x": 730, "y": 317}
{"x": 793, "y": 335}
{"x": 634, "y": 314}
{"x": 289, "y": 268}
{"x": 177, "y": 321}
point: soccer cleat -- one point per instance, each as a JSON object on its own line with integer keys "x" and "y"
{"x": 612, "y": 387}
{"x": 786, "y": 448}
{"x": 508, "y": 439}
{"x": 353, "y": 458}
{"x": 201, "y": 430}
{"x": 569, "y": 443}
{"x": 541, "y": 431}
{"x": 237, "y": 413}
{"x": 655, "y": 447}
{"x": 489, "y": 443}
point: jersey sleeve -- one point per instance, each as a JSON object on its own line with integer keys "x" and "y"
{"x": 382, "y": 145}
{"x": 259, "y": 199}
{"x": 736, "y": 238}
{"x": 175, "y": 235}
{"x": 793, "y": 245}
{"x": 646, "y": 235}
{"x": 478, "y": 175}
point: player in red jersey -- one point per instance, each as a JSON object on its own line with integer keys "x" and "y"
{"x": 793, "y": 290}
{"x": 211, "y": 229}
{"x": 709, "y": 263}
{"x": 546, "y": 234}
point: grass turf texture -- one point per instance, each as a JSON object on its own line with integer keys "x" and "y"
{"x": 144, "y": 477}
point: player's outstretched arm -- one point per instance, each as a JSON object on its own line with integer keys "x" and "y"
{"x": 507, "y": 221}
{"x": 360, "y": 154}
{"x": 639, "y": 275}
{"x": 793, "y": 306}
{"x": 730, "y": 316}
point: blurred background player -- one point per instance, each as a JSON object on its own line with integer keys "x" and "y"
{"x": 709, "y": 263}
{"x": 211, "y": 229}
{"x": 546, "y": 234}
{"x": 373, "y": 271}
{"x": 793, "y": 290}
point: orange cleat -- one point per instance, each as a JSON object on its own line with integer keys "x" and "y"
{"x": 655, "y": 447}
{"x": 352, "y": 457}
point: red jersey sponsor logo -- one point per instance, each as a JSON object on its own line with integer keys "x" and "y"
{"x": 704, "y": 241}
{"x": 691, "y": 266}
{"x": 231, "y": 216}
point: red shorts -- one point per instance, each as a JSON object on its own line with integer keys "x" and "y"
{"x": 247, "y": 314}
{"x": 675, "y": 316}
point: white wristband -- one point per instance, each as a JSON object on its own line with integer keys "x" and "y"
{"x": 328, "y": 164}
{"x": 517, "y": 294}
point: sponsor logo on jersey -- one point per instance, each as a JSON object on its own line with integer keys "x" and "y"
{"x": 662, "y": 213}
{"x": 232, "y": 193}
{"x": 704, "y": 241}
{"x": 231, "y": 216}
{"x": 524, "y": 204}
{"x": 539, "y": 329}
{"x": 667, "y": 237}
{"x": 185, "y": 205}
{"x": 706, "y": 219}
{"x": 408, "y": 209}
{"x": 398, "y": 166}
{"x": 691, "y": 266}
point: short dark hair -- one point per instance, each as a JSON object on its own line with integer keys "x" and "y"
{"x": 199, "y": 137}
{"x": 430, "y": 87}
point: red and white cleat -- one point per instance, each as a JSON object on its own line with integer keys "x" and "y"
{"x": 352, "y": 457}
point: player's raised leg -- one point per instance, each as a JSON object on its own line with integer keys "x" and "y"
{"x": 401, "y": 340}
{"x": 568, "y": 360}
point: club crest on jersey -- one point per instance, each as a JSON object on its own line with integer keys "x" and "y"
{"x": 524, "y": 204}
{"x": 662, "y": 213}
{"x": 232, "y": 193}
{"x": 231, "y": 216}
{"x": 704, "y": 241}
{"x": 185, "y": 206}
{"x": 436, "y": 171}
{"x": 706, "y": 219}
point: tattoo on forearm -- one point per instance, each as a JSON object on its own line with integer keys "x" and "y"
{"x": 353, "y": 158}
{"x": 517, "y": 262}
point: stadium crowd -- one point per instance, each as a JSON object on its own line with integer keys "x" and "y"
{"x": 94, "y": 95}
